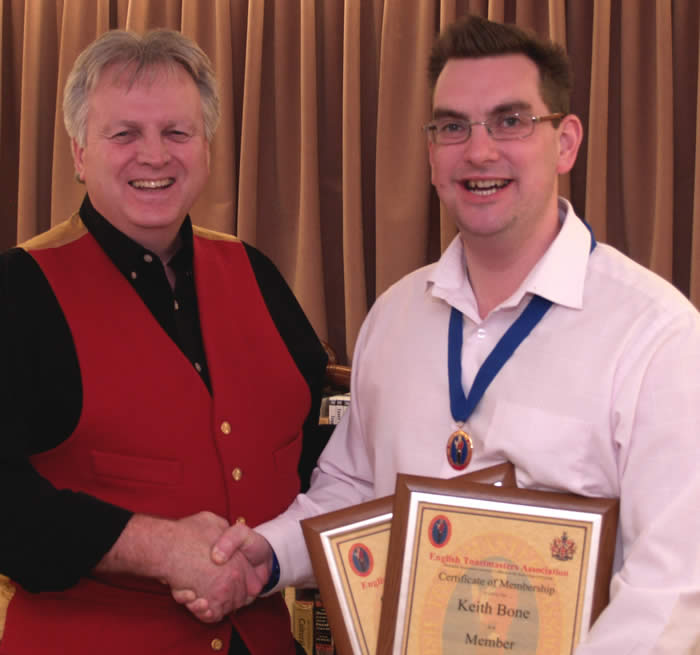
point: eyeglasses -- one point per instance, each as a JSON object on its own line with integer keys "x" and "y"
{"x": 501, "y": 127}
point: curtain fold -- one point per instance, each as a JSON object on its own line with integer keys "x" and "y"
{"x": 694, "y": 231}
{"x": 402, "y": 197}
{"x": 643, "y": 134}
{"x": 320, "y": 160}
{"x": 597, "y": 155}
{"x": 40, "y": 52}
{"x": 218, "y": 202}
{"x": 11, "y": 46}
{"x": 352, "y": 208}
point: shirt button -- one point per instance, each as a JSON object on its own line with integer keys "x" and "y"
{"x": 176, "y": 305}
{"x": 148, "y": 258}
{"x": 241, "y": 519}
{"x": 198, "y": 366}
{"x": 481, "y": 333}
{"x": 236, "y": 474}
{"x": 217, "y": 644}
{"x": 134, "y": 275}
{"x": 225, "y": 427}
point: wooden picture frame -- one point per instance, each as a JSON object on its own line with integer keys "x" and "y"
{"x": 352, "y": 596}
{"x": 505, "y": 568}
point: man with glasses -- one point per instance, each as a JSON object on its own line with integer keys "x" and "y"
{"x": 598, "y": 389}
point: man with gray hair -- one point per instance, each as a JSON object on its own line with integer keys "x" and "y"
{"x": 137, "y": 351}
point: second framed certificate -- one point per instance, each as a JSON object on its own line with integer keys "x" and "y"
{"x": 474, "y": 568}
{"x": 348, "y": 550}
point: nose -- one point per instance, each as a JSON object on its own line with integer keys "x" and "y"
{"x": 480, "y": 147}
{"x": 153, "y": 151}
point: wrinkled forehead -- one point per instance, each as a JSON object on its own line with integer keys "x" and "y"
{"x": 140, "y": 96}
{"x": 127, "y": 74}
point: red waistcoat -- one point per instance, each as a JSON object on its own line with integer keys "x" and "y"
{"x": 152, "y": 438}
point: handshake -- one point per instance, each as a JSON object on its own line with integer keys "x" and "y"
{"x": 232, "y": 565}
{"x": 211, "y": 567}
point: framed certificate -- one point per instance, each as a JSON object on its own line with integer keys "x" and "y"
{"x": 474, "y": 568}
{"x": 348, "y": 550}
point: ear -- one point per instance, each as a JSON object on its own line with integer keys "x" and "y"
{"x": 570, "y": 137}
{"x": 78, "y": 159}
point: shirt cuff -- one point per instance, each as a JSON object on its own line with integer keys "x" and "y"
{"x": 274, "y": 575}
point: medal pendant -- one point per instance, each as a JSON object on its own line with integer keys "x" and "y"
{"x": 460, "y": 448}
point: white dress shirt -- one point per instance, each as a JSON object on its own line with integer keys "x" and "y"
{"x": 601, "y": 399}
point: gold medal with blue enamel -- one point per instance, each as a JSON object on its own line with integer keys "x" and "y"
{"x": 460, "y": 449}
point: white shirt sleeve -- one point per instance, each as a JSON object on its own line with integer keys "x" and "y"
{"x": 343, "y": 477}
{"x": 655, "y": 596}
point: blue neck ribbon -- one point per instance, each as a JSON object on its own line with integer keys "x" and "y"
{"x": 462, "y": 406}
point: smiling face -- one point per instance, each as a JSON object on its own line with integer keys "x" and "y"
{"x": 505, "y": 190}
{"x": 145, "y": 158}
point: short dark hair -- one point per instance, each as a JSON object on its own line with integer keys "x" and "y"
{"x": 473, "y": 37}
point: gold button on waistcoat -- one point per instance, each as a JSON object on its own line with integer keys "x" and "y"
{"x": 217, "y": 644}
{"x": 225, "y": 427}
{"x": 236, "y": 474}
{"x": 241, "y": 519}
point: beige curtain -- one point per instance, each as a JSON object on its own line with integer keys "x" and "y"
{"x": 320, "y": 161}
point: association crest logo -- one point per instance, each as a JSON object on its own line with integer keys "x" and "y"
{"x": 361, "y": 560}
{"x": 440, "y": 531}
{"x": 459, "y": 450}
{"x": 563, "y": 548}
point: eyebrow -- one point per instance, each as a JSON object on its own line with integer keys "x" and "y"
{"x": 118, "y": 125}
{"x": 505, "y": 107}
{"x": 126, "y": 123}
{"x": 136, "y": 125}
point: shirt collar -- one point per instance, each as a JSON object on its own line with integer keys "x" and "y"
{"x": 558, "y": 276}
{"x": 126, "y": 253}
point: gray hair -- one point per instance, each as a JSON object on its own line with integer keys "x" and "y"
{"x": 141, "y": 55}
